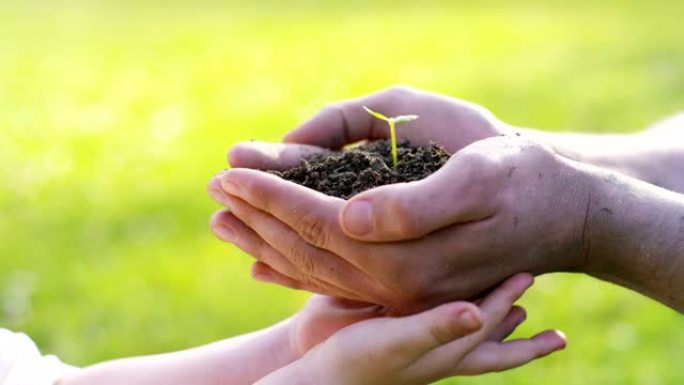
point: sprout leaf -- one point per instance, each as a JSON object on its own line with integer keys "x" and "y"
{"x": 376, "y": 114}
{"x": 405, "y": 118}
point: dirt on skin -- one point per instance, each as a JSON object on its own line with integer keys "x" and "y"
{"x": 357, "y": 169}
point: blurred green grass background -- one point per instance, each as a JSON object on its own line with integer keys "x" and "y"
{"x": 114, "y": 115}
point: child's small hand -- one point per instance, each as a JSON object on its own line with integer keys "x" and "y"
{"x": 454, "y": 339}
{"x": 323, "y": 316}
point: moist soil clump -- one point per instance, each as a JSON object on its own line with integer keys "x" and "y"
{"x": 357, "y": 169}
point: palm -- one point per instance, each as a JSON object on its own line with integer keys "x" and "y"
{"x": 323, "y": 316}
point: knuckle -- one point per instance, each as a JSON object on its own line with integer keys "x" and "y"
{"x": 235, "y": 154}
{"x": 482, "y": 165}
{"x": 312, "y": 229}
{"x": 399, "y": 90}
{"x": 303, "y": 261}
{"x": 490, "y": 362}
{"x": 331, "y": 110}
{"x": 396, "y": 352}
{"x": 409, "y": 290}
{"x": 497, "y": 363}
{"x": 395, "y": 95}
{"x": 484, "y": 174}
{"x": 244, "y": 186}
{"x": 217, "y": 218}
{"x": 441, "y": 333}
{"x": 311, "y": 284}
{"x": 404, "y": 223}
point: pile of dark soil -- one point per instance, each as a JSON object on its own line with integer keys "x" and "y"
{"x": 354, "y": 170}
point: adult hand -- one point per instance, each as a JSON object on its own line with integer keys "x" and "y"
{"x": 573, "y": 217}
{"x": 500, "y": 206}
{"x": 451, "y": 122}
{"x": 453, "y": 339}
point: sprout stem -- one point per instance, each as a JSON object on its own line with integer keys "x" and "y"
{"x": 393, "y": 138}
{"x": 392, "y": 123}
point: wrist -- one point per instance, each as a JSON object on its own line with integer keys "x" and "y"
{"x": 285, "y": 348}
{"x": 248, "y": 358}
{"x": 597, "y": 242}
{"x": 623, "y": 153}
{"x": 296, "y": 373}
{"x": 632, "y": 236}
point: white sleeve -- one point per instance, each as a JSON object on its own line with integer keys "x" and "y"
{"x": 22, "y": 364}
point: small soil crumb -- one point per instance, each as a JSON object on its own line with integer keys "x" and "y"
{"x": 357, "y": 169}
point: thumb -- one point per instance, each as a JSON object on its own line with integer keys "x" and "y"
{"x": 346, "y": 122}
{"x": 421, "y": 333}
{"x": 462, "y": 191}
{"x": 270, "y": 156}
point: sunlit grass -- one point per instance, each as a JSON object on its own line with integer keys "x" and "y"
{"x": 113, "y": 117}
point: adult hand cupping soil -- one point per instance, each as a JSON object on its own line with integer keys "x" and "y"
{"x": 452, "y": 123}
{"x": 491, "y": 212}
{"x": 500, "y": 206}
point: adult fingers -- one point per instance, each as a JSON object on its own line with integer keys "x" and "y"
{"x": 316, "y": 268}
{"x": 347, "y": 122}
{"x": 230, "y": 229}
{"x": 311, "y": 214}
{"x": 270, "y": 156}
{"x": 215, "y": 191}
{"x": 226, "y": 226}
{"x": 263, "y": 273}
{"x": 464, "y": 190}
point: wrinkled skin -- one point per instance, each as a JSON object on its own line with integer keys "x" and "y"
{"x": 502, "y": 198}
{"x": 505, "y": 203}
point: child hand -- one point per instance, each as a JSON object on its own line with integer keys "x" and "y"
{"x": 454, "y": 339}
{"x": 323, "y": 316}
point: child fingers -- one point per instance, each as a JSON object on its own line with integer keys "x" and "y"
{"x": 423, "y": 332}
{"x": 499, "y": 302}
{"x": 443, "y": 359}
{"x": 496, "y": 357}
{"x": 515, "y": 317}
{"x": 456, "y": 358}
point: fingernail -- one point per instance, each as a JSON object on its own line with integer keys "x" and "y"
{"x": 562, "y": 340}
{"x": 469, "y": 320}
{"x": 358, "y": 218}
{"x": 519, "y": 321}
{"x": 260, "y": 276}
{"x": 218, "y": 195}
{"x": 225, "y": 233}
{"x": 229, "y": 186}
{"x": 521, "y": 318}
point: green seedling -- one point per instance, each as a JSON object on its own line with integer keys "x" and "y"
{"x": 392, "y": 122}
